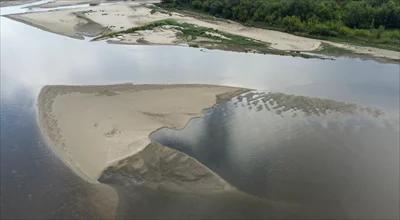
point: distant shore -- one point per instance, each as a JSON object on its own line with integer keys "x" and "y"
{"x": 141, "y": 22}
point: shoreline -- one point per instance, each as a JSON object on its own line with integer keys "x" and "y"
{"x": 122, "y": 16}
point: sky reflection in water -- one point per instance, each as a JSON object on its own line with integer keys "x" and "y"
{"x": 45, "y": 58}
{"x": 333, "y": 156}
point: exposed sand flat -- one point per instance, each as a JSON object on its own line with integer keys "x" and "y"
{"x": 155, "y": 36}
{"x": 60, "y": 23}
{"x": 125, "y": 15}
{"x": 67, "y": 22}
{"x": 61, "y": 3}
{"x": 8, "y": 3}
{"x": 93, "y": 127}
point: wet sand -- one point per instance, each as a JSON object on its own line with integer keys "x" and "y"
{"x": 124, "y": 15}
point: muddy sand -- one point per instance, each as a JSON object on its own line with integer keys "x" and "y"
{"x": 120, "y": 16}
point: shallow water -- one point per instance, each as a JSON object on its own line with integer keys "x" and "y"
{"x": 330, "y": 156}
{"x": 34, "y": 183}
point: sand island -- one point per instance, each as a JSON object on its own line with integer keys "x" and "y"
{"x": 94, "y": 127}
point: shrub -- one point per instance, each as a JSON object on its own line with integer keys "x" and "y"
{"x": 292, "y": 23}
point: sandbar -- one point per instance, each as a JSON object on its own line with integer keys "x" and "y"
{"x": 94, "y": 127}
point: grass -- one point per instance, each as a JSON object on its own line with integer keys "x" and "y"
{"x": 211, "y": 38}
{"x": 190, "y": 32}
{"x": 331, "y": 50}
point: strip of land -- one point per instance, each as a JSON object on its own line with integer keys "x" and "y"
{"x": 144, "y": 23}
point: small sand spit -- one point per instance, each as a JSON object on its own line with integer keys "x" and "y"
{"x": 93, "y": 127}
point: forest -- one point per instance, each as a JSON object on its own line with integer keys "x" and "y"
{"x": 366, "y": 22}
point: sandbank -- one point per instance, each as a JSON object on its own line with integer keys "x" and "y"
{"x": 8, "y": 3}
{"x": 94, "y": 127}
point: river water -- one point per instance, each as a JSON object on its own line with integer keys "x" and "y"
{"x": 324, "y": 158}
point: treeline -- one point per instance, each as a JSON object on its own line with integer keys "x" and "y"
{"x": 358, "y": 19}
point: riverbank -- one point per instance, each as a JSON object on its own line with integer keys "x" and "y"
{"x": 363, "y": 23}
{"x": 128, "y": 22}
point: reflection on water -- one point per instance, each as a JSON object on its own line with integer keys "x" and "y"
{"x": 293, "y": 154}
{"x": 332, "y": 155}
{"x": 48, "y": 58}
{"x": 34, "y": 183}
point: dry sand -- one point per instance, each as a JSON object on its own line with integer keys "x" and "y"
{"x": 156, "y": 36}
{"x": 93, "y": 127}
{"x": 60, "y": 23}
{"x": 7, "y": 3}
{"x": 60, "y": 3}
{"x": 124, "y": 15}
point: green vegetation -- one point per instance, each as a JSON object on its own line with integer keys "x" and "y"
{"x": 330, "y": 50}
{"x": 190, "y": 32}
{"x": 197, "y": 36}
{"x": 365, "y": 22}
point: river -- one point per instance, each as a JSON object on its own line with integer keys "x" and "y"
{"x": 35, "y": 183}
